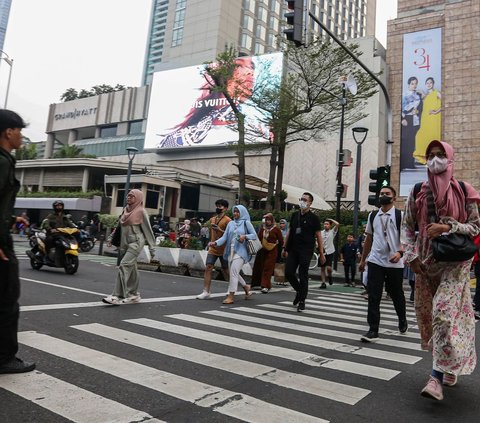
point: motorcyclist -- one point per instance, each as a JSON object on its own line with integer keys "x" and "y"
{"x": 57, "y": 219}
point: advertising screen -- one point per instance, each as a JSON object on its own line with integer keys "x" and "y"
{"x": 184, "y": 112}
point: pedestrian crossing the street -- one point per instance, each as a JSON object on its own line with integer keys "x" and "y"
{"x": 233, "y": 364}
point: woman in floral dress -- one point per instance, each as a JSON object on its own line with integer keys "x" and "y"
{"x": 443, "y": 301}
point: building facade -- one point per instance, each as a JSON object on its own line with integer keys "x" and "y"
{"x": 457, "y": 23}
{"x": 184, "y": 33}
{"x": 4, "y": 14}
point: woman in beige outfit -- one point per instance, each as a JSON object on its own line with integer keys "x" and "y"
{"x": 136, "y": 232}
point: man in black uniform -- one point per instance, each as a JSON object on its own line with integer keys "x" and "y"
{"x": 303, "y": 230}
{"x": 11, "y": 126}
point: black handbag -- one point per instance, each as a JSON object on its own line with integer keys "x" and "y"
{"x": 453, "y": 247}
{"x": 116, "y": 235}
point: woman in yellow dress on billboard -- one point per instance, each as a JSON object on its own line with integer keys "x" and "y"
{"x": 430, "y": 121}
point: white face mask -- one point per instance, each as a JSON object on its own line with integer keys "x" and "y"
{"x": 437, "y": 165}
{"x": 303, "y": 204}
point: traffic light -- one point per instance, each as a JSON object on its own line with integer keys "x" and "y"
{"x": 294, "y": 18}
{"x": 381, "y": 178}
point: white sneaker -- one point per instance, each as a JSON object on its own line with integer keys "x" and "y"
{"x": 132, "y": 299}
{"x": 204, "y": 296}
{"x": 112, "y": 299}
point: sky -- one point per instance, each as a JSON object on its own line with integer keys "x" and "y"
{"x": 61, "y": 44}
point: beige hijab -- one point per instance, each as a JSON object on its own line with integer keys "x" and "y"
{"x": 133, "y": 213}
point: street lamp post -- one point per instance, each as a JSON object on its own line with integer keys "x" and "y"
{"x": 10, "y": 63}
{"x": 132, "y": 151}
{"x": 360, "y": 132}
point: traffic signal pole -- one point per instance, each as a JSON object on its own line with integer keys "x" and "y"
{"x": 388, "y": 153}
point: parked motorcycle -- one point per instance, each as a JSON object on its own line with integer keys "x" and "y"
{"x": 85, "y": 241}
{"x": 63, "y": 254}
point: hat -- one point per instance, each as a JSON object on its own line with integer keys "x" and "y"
{"x": 283, "y": 221}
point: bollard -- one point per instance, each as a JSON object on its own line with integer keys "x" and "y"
{"x": 100, "y": 247}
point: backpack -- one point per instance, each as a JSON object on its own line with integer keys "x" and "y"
{"x": 398, "y": 219}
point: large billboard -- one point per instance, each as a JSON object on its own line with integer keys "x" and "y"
{"x": 185, "y": 112}
{"x": 421, "y": 120}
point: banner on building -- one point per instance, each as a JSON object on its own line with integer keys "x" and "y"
{"x": 186, "y": 112}
{"x": 421, "y": 120}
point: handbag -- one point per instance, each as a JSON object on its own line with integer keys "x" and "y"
{"x": 269, "y": 246}
{"x": 116, "y": 235}
{"x": 453, "y": 247}
{"x": 253, "y": 245}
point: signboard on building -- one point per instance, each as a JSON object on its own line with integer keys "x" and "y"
{"x": 184, "y": 112}
{"x": 421, "y": 103}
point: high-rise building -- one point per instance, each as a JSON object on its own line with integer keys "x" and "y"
{"x": 4, "y": 12}
{"x": 190, "y": 32}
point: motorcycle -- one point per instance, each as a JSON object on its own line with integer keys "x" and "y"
{"x": 85, "y": 241}
{"x": 63, "y": 254}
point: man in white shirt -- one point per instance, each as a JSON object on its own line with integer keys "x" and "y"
{"x": 330, "y": 229}
{"x": 385, "y": 264}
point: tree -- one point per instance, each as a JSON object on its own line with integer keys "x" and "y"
{"x": 223, "y": 76}
{"x": 28, "y": 151}
{"x": 70, "y": 152}
{"x": 305, "y": 104}
{"x": 73, "y": 94}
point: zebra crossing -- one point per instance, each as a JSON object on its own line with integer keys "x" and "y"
{"x": 215, "y": 353}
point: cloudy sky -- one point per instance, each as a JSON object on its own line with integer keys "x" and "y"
{"x": 61, "y": 44}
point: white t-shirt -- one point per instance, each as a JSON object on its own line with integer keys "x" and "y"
{"x": 386, "y": 239}
{"x": 328, "y": 238}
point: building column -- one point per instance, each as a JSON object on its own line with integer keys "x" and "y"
{"x": 48, "y": 153}
{"x": 86, "y": 174}
{"x": 72, "y": 136}
{"x": 40, "y": 180}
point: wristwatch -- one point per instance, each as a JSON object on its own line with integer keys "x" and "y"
{"x": 401, "y": 253}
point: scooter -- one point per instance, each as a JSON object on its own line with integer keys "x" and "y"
{"x": 85, "y": 241}
{"x": 63, "y": 254}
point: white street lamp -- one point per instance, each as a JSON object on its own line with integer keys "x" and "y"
{"x": 10, "y": 63}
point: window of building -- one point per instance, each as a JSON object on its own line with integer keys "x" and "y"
{"x": 248, "y": 22}
{"x": 273, "y": 23}
{"x": 275, "y": 6}
{"x": 178, "y": 23}
{"x": 121, "y": 192}
{"x": 249, "y": 5}
{"x": 108, "y": 131}
{"x": 152, "y": 197}
{"x": 246, "y": 41}
{"x": 259, "y": 48}
{"x": 260, "y": 32}
{"x": 135, "y": 127}
{"x": 262, "y": 14}
{"x": 189, "y": 197}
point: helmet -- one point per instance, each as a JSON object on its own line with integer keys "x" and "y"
{"x": 57, "y": 203}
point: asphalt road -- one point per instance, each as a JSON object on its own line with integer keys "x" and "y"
{"x": 177, "y": 359}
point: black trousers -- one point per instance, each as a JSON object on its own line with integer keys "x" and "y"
{"x": 9, "y": 308}
{"x": 350, "y": 271}
{"x": 301, "y": 260}
{"x": 393, "y": 279}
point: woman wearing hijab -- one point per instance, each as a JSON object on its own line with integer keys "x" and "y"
{"x": 443, "y": 302}
{"x": 270, "y": 237}
{"x": 135, "y": 233}
{"x": 236, "y": 233}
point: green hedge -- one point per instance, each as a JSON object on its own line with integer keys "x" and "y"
{"x": 60, "y": 194}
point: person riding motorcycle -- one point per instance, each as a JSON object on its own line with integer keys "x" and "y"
{"x": 57, "y": 219}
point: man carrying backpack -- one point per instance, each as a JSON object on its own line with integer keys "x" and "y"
{"x": 385, "y": 264}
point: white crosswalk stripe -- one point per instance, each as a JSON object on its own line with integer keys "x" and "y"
{"x": 233, "y": 404}
{"x": 274, "y": 336}
{"x": 70, "y": 401}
